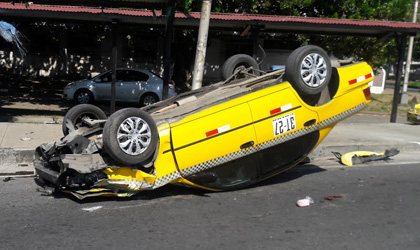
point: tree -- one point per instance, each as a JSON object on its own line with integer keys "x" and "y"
{"x": 373, "y": 50}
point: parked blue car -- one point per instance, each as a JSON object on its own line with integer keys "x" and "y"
{"x": 132, "y": 85}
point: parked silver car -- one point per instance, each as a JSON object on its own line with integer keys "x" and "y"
{"x": 133, "y": 85}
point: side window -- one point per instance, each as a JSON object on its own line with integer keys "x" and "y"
{"x": 138, "y": 76}
{"x": 107, "y": 77}
{"x": 123, "y": 76}
{"x": 131, "y": 76}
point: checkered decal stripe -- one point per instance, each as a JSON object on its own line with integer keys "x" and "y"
{"x": 241, "y": 153}
{"x": 235, "y": 155}
{"x": 131, "y": 184}
{"x": 166, "y": 179}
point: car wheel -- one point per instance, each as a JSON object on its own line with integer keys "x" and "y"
{"x": 130, "y": 136}
{"x": 148, "y": 99}
{"x": 73, "y": 118}
{"x": 83, "y": 96}
{"x": 236, "y": 63}
{"x": 308, "y": 69}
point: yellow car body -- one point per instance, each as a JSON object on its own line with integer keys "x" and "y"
{"x": 413, "y": 115}
{"x": 221, "y": 137}
{"x": 231, "y": 136}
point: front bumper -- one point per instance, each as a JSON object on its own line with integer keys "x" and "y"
{"x": 413, "y": 117}
{"x": 76, "y": 164}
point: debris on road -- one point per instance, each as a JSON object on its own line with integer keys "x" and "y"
{"x": 25, "y": 139}
{"x": 8, "y": 179}
{"x": 46, "y": 191}
{"x": 305, "y": 202}
{"x": 54, "y": 121}
{"x": 358, "y": 157}
{"x": 332, "y": 197}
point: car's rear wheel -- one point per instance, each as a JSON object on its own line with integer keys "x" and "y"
{"x": 83, "y": 96}
{"x": 237, "y": 63}
{"x": 130, "y": 136}
{"x": 308, "y": 69}
{"x": 148, "y": 99}
{"x": 74, "y": 117}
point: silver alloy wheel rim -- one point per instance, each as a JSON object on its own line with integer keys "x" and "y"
{"x": 134, "y": 136}
{"x": 149, "y": 100}
{"x": 313, "y": 70}
{"x": 83, "y": 97}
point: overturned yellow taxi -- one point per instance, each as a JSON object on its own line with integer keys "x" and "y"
{"x": 221, "y": 137}
{"x": 413, "y": 115}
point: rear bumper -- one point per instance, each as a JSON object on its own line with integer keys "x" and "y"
{"x": 413, "y": 117}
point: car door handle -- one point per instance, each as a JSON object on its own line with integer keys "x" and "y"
{"x": 247, "y": 144}
{"x": 310, "y": 123}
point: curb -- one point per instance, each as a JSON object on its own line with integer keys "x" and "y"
{"x": 325, "y": 151}
{"x": 13, "y": 156}
{"x": 16, "y": 161}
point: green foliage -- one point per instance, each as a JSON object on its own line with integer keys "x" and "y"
{"x": 396, "y": 10}
{"x": 369, "y": 49}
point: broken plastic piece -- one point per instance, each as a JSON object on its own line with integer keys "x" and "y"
{"x": 305, "y": 202}
{"x": 332, "y": 197}
{"x": 357, "y": 157}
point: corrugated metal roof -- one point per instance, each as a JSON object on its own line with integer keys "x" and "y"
{"x": 217, "y": 19}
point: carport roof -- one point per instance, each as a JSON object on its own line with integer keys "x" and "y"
{"x": 13, "y": 11}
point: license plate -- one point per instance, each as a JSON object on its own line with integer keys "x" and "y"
{"x": 284, "y": 124}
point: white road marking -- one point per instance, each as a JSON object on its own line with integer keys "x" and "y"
{"x": 91, "y": 209}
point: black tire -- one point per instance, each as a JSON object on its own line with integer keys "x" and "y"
{"x": 73, "y": 118}
{"x": 148, "y": 99}
{"x": 83, "y": 96}
{"x": 308, "y": 78}
{"x": 236, "y": 62}
{"x": 121, "y": 149}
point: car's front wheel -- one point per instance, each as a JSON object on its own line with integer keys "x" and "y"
{"x": 130, "y": 136}
{"x": 308, "y": 69}
{"x": 83, "y": 96}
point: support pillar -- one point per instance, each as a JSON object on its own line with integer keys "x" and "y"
{"x": 200, "y": 54}
{"x": 113, "y": 65}
{"x": 397, "y": 93}
{"x": 170, "y": 15}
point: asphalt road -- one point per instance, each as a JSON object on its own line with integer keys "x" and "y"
{"x": 378, "y": 209}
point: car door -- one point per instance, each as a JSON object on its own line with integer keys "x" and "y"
{"x": 283, "y": 129}
{"x": 214, "y": 137}
{"x": 122, "y": 85}
{"x": 102, "y": 85}
{"x": 133, "y": 86}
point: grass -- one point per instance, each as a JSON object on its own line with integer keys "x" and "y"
{"x": 412, "y": 84}
{"x": 382, "y": 103}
